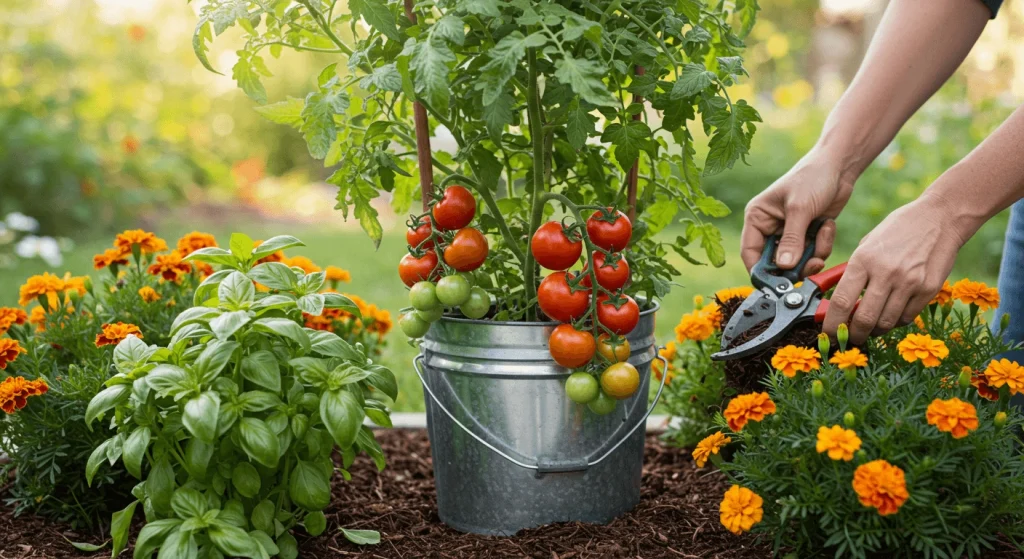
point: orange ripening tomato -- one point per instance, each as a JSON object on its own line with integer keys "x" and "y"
{"x": 419, "y": 235}
{"x": 557, "y": 299}
{"x": 570, "y": 347}
{"x": 620, "y": 320}
{"x": 412, "y": 269}
{"x": 611, "y": 276}
{"x": 612, "y": 351}
{"x": 553, "y": 249}
{"x": 455, "y": 210}
{"x": 620, "y": 380}
{"x": 467, "y": 251}
{"x": 610, "y": 235}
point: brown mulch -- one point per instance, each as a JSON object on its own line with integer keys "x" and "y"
{"x": 677, "y": 517}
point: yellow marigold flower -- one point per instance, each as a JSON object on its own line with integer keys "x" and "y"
{"x": 976, "y": 293}
{"x": 9, "y": 351}
{"x": 710, "y": 445}
{"x": 713, "y": 313}
{"x": 170, "y": 267}
{"x": 114, "y": 333}
{"x": 15, "y": 392}
{"x": 669, "y": 353}
{"x": 38, "y": 317}
{"x": 305, "y": 264}
{"x": 694, "y": 326}
{"x": 10, "y": 316}
{"x": 335, "y": 273}
{"x": 748, "y": 407}
{"x": 147, "y": 242}
{"x": 944, "y": 295}
{"x": 952, "y": 416}
{"x": 730, "y": 293}
{"x": 881, "y": 485}
{"x": 75, "y": 283}
{"x": 956, "y": 337}
{"x": 698, "y": 301}
{"x": 110, "y": 257}
{"x": 849, "y": 359}
{"x": 740, "y": 509}
{"x": 148, "y": 294}
{"x": 919, "y": 322}
{"x": 1004, "y": 371}
{"x": 792, "y": 359}
{"x": 47, "y": 285}
{"x": 195, "y": 241}
{"x": 839, "y": 443}
{"x": 921, "y": 347}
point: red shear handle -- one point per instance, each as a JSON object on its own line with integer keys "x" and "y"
{"x": 819, "y": 313}
{"x": 829, "y": 278}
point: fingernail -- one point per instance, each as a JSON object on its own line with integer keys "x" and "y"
{"x": 785, "y": 259}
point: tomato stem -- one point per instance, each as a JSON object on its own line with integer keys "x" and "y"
{"x": 537, "y": 198}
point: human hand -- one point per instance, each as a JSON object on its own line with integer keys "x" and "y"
{"x": 900, "y": 266}
{"x": 814, "y": 188}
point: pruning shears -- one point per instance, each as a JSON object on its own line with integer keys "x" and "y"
{"x": 779, "y": 298}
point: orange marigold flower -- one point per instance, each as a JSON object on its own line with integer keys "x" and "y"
{"x": 10, "y": 316}
{"x": 669, "y": 353}
{"x": 9, "y": 351}
{"x": 711, "y": 444}
{"x": 380, "y": 322}
{"x": 323, "y": 322}
{"x": 792, "y": 359}
{"x": 740, "y": 509}
{"x": 944, "y": 295}
{"x": 730, "y": 293}
{"x": 148, "y": 294}
{"x": 748, "y": 407}
{"x": 952, "y": 416}
{"x": 147, "y": 242}
{"x": 922, "y": 347}
{"x": 694, "y": 326}
{"x": 113, "y": 334}
{"x": 976, "y": 293}
{"x": 75, "y": 283}
{"x": 38, "y": 317}
{"x": 839, "y": 443}
{"x": 956, "y": 337}
{"x": 335, "y": 273}
{"x": 713, "y": 313}
{"x": 881, "y": 485}
{"x": 46, "y": 285}
{"x": 1004, "y": 371}
{"x": 980, "y": 381}
{"x": 849, "y": 359}
{"x": 170, "y": 267}
{"x": 15, "y": 391}
{"x": 919, "y": 322}
{"x": 110, "y": 257}
{"x": 195, "y": 241}
{"x": 277, "y": 256}
{"x": 303, "y": 263}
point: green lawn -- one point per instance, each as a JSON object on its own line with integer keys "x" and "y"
{"x": 375, "y": 279}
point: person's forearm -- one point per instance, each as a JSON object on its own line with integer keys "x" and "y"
{"x": 917, "y": 46}
{"x": 984, "y": 183}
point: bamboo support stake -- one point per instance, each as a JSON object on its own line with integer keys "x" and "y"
{"x": 419, "y": 114}
{"x": 633, "y": 178}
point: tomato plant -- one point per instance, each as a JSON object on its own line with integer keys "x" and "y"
{"x": 231, "y": 426}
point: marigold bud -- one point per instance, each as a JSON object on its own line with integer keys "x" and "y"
{"x": 850, "y": 373}
{"x": 849, "y": 419}
{"x": 698, "y": 302}
{"x": 843, "y": 335}
{"x": 928, "y": 462}
{"x": 883, "y": 383}
{"x": 861, "y": 455}
{"x": 965, "y": 377}
{"x": 946, "y": 310}
{"x": 1004, "y": 321}
{"x": 817, "y": 389}
{"x": 823, "y": 345}
{"x": 1000, "y": 419}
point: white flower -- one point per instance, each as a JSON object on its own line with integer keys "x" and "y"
{"x": 21, "y": 222}
{"x": 45, "y": 248}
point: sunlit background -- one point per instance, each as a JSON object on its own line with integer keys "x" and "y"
{"x": 108, "y": 121}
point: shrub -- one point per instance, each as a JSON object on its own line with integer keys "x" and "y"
{"x": 231, "y": 425}
{"x": 911, "y": 449}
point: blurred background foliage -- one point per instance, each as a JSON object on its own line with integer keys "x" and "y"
{"x": 108, "y": 121}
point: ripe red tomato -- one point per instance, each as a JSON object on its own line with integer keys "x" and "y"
{"x": 609, "y": 276}
{"x": 553, "y": 249}
{"x": 620, "y": 320}
{"x": 570, "y": 347}
{"x": 416, "y": 236}
{"x": 610, "y": 235}
{"x": 467, "y": 251}
{"x": 455, "y": 210}
{"x": 558, "y": 301}
{"x": 412, "y": 269}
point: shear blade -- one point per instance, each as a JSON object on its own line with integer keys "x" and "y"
{"x": 757, "y": 308}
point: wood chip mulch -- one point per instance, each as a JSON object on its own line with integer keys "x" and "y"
{"x": 677, "y": 517}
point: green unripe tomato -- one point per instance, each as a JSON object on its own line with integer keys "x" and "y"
{"x": 478, "y": 305}
{"x": 469, "y": 277}
{"x": 413, "y": 325}
{"x": 453, "y": 291}
{"x": 432, "y": 315}
{"x": 603, "y": 404}
{"x": 423, "y": 296}
{"x": 582, "y": 387}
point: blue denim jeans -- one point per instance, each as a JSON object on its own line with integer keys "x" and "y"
{"x": 1011, "y": 282}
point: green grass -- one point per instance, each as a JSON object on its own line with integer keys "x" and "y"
{"x": 375, "y": 279}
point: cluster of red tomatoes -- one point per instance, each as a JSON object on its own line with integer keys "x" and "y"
{"x": 571, "y": 298}
{"x": 434, "y": 286}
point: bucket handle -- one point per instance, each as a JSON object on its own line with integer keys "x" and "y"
{"x": 544, "y": 468}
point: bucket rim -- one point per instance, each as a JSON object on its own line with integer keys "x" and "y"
{"x": 457, "y": 319}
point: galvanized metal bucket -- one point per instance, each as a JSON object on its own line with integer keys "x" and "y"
{"x": 510, "y": 450}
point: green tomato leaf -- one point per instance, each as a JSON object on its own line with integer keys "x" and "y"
{"x": 627, "y": 140}
{"x": 286, "y": 112}
{"x": 342, "y": 414}
{"x": 694, "y": 79}
{"x": 201, "y": 416}
{"x": 246, "y": 72}
{"x": 377, "y": 14}
{"x": 580, "y": 125}
{"x": 505, "y": 57}
{"x": 429, "y": 64}
{"x": 585, "y": 77}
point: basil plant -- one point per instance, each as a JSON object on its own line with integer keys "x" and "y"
{"x": 231, "y": 427}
